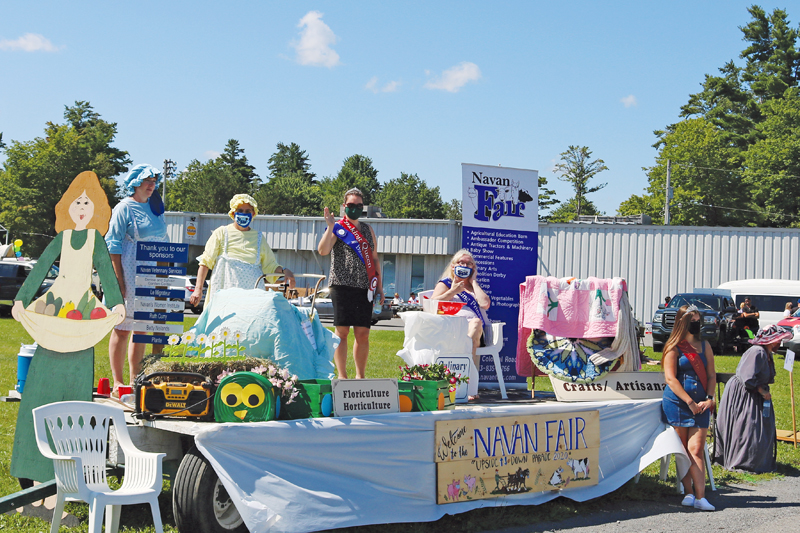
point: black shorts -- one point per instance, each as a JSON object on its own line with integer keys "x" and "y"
{"x": 350, "y": 306}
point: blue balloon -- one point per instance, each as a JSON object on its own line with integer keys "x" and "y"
{"x": 326, "y": 406}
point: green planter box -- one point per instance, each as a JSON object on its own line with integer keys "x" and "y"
{"x": 313, "y": 401}
{"x": 431, "y": 395}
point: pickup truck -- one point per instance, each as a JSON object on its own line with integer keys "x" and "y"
{"x": 717, "y": 311}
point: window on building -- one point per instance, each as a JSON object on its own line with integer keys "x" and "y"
{"x": 418, "y": 273}
{"x": 388, "y": 270}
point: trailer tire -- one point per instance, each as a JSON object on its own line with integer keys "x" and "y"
{"x": 200, "y": 502}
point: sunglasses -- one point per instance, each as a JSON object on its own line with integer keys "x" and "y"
{"x": 357, "y": 206}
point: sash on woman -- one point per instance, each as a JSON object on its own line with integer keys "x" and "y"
{"x": 350, "y": 235}
{"x": 475, "y": 307}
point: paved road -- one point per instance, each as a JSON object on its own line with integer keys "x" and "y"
{"x": 766, "y": 507}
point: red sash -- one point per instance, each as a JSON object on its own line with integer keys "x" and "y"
{"x": 362, "y": 248}
{"x": 696, "y": 361}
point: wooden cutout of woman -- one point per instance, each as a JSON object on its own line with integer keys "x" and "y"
{"x": 68, "y": 320}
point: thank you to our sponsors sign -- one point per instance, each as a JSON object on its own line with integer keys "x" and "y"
{"x": 365, "y": 396}
{"x": 495, "y": 457}
{"x": 615, "y": 386}
{"x": 152, "y": 292}
{"x": 501, "y": 229}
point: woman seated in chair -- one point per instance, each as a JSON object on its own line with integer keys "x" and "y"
{"x": 459, "y": 283}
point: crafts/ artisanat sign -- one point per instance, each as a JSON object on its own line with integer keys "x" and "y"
{"x": 500, "y": 228}
{"x": 614, "y": 386}
{"x": 485, "y": 458}
{"x": 365, "y": 396}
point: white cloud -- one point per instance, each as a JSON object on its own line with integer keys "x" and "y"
{"x": 316, "y": 38}
{"x": 30, "y": 42}
{"x": 454, "y": 78}
{"x": 629, "y": 101}
{"x": 211, "y": 154}
{"x": 372, "y": 85}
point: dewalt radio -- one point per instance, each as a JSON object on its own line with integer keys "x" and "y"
{"x": 174, "y": 395}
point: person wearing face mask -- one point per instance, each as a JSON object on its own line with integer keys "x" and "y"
{"x": 688, "y": 400}
{"x": 459, "y": 283}
{"x": 746, "y": 438}
{"x": 355, "y": 280}
{"x": 137, "y": 218}
{"x": 237, "y": 254}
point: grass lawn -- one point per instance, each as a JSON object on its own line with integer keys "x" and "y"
{"x": 383, "y": 363}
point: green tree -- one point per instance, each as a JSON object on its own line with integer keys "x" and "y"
{"x": 410, "y": 197}
{"x": 37, "y": 173}
{"x": 773, "y": 61}
{"x": 452, "y": 210}
{"x": 289, "y": 194}
{"x": 577, "y": 169}
{"x": 566, "y": 212}
{"x": 234, "y": 157}
{"x": 546, "y": 200}
{"x": 2, "y": 144}
{"x": 772, "y": 164}
{"x": 357, "y": 171}
{"x": 290, "y": 159}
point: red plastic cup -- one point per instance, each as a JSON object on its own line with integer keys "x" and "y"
{"x": 124, "y": 389}
{"x": 103, "y": 387}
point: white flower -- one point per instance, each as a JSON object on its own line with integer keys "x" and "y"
{"x": 213, "y": 337}
{"x": 238, "y": 335}
{"x": 187, "y": 337}
{"x": 259, "y": 369}
{"x": 225, "y": 333}
{"x": 272, "y": 371}
{"x": 201, "y": 339}
{"x": 285, "y": 374}
{"x": 275, "y": 382}
{"x": 173, "y": 340}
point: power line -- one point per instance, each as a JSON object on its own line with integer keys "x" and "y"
{"x": 687, "y": 165}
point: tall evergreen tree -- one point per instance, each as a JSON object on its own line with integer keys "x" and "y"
{"x": 576, "y": 168}
{"x": 290, "y": 159}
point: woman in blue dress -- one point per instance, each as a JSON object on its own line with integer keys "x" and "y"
{"x": 688, "y": 364}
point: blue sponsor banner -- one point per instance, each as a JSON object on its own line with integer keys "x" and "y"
{"x": 165, "y": 317}
{"x": 501, "y": 229}
{"x": 162, "y": 251}
{"x": 151, "y": 339}
{"x": 160, "y": 293}
{"x": 161, "y": 271}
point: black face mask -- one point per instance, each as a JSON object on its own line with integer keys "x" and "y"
{"x": 694, "y": 327}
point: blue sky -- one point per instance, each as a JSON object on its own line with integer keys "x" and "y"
{"x": 419, "y": 87}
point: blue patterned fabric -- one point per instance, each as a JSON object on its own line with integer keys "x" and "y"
{"x": 568, "y": 359}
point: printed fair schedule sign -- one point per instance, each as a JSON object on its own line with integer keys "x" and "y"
{"x": 496, "y": 457}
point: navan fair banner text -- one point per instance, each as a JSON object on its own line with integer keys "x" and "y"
{"x": 501, "y": 228}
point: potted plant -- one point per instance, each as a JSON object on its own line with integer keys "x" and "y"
{"x": 433, "y": 386}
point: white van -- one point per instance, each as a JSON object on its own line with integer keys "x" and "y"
{"x": 768, "y": 295}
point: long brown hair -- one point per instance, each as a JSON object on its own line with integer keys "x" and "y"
{"x": 680, "y": 328}
{"x": 84, "y": 182}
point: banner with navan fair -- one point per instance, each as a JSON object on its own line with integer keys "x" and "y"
{"x": 500, "y": 226}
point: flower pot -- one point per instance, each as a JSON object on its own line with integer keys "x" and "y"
{"x": 314, "y": 400}
{"x": 432, "y": 395}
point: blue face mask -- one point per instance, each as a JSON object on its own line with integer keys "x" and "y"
{"x": 462, "y": 272}
{"x": 243, "y": 219}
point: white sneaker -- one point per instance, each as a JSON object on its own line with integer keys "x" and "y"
{"x": 688, "y": 500}
{"x": 703, "y": 505}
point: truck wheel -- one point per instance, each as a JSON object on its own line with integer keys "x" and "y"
{"x": 658, "y": 347}
{"x": 200, "y": 502}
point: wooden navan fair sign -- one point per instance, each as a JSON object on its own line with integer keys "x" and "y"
{"x": 494, "y": 457}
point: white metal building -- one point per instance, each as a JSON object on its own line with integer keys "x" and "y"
{"x": 656, "y": 260}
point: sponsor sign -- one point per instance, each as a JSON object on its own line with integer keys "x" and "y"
{"x": 365, "y": 396}
{"x": 149, "y": 327}
{"x": 162, "y": 251}
{"x": 161, "y": 270}
{"x": 142, "y": 304}
{"x": 154, "y": 281}
{"x": 500, "y": 227}
{"x": 615, "y": 386}
{"x": 483, "y": 458}
{"x": 166, "y": 317}
{"x": 150, "y": 339}
{"x": 177, "y": 294}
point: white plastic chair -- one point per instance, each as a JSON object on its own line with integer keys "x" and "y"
{"x": 79, "y": 433}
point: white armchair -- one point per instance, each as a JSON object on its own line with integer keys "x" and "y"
{"x": 79, "y": 432}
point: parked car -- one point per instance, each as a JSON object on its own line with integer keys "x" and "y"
{"x": 717, "y": 311}
{"x": 13, "y": 274}
{"x": 188, "y": 284}
{"x": 768, "y": 295}
{"x": 324, "y": 306}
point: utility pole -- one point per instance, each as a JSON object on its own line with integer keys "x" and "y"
{"x": 668, "y": 195}
{"x": 169, "y": 172}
